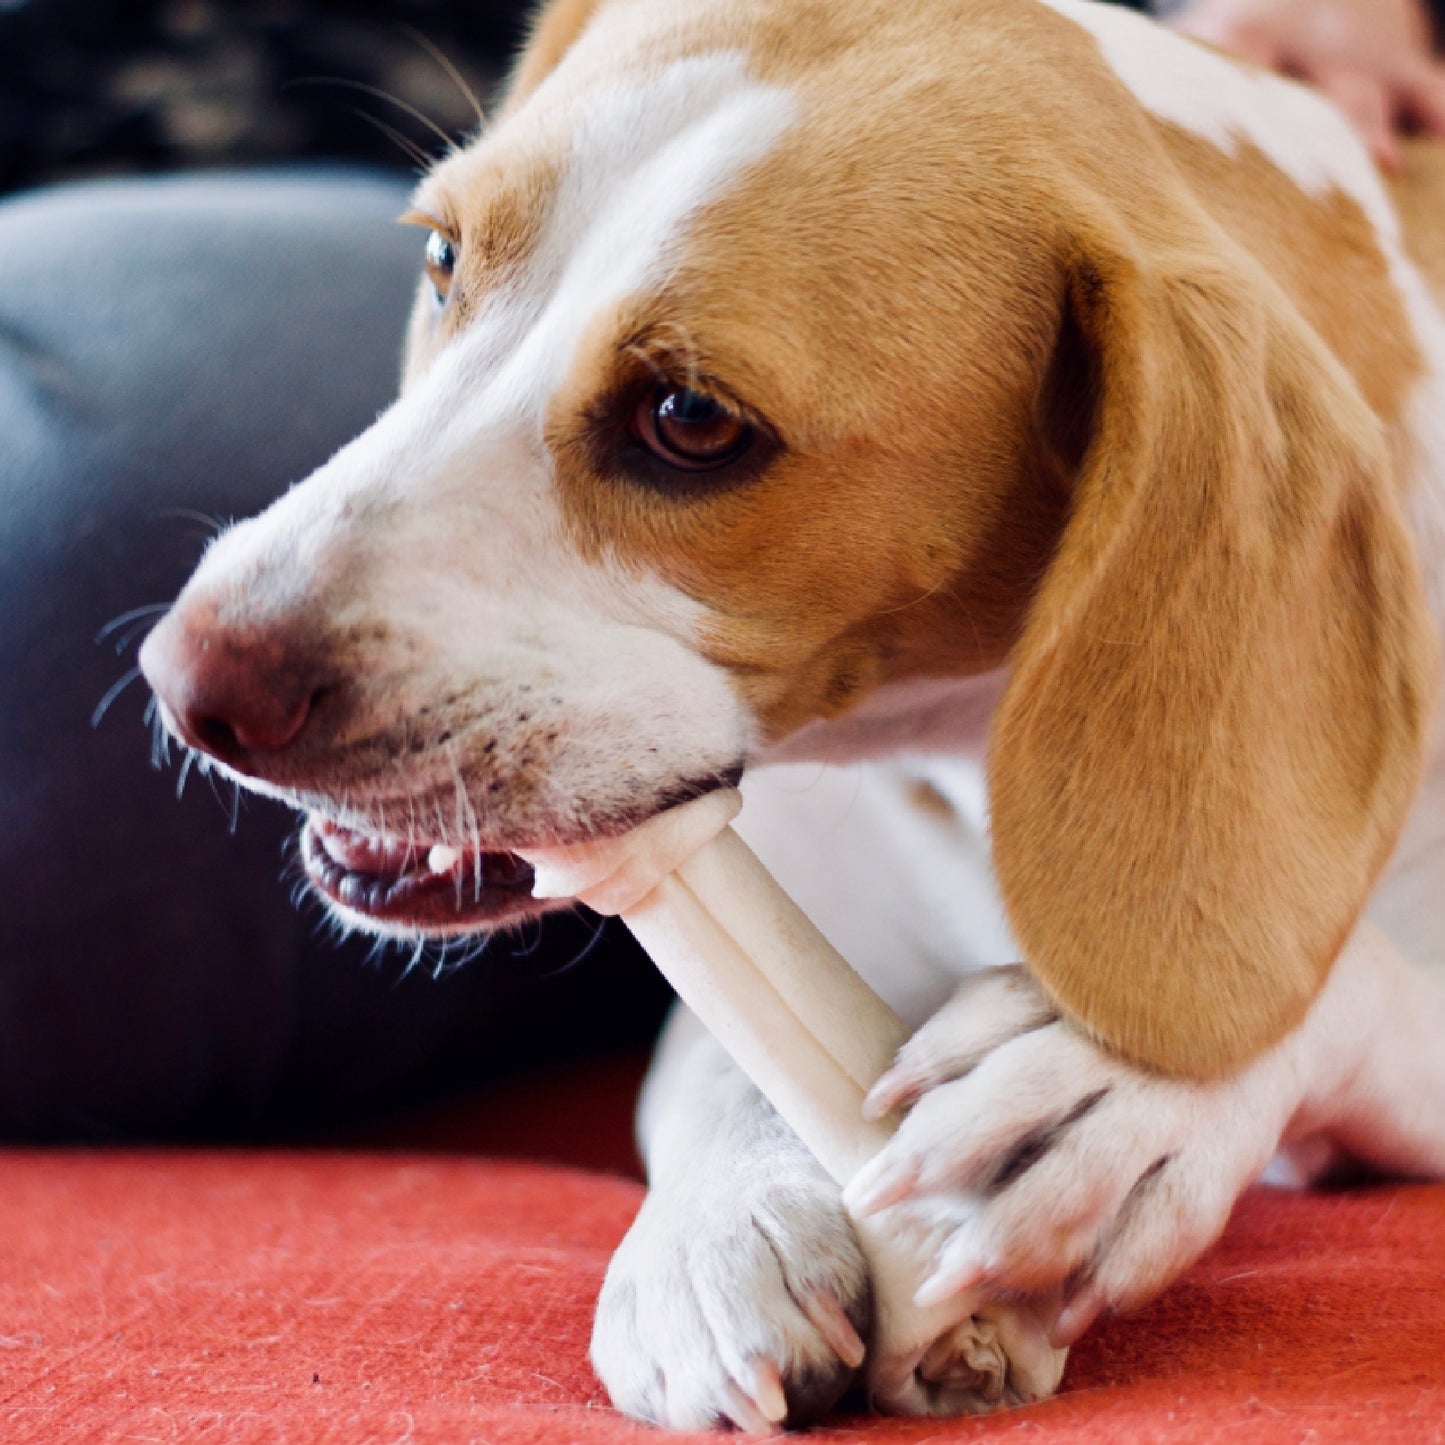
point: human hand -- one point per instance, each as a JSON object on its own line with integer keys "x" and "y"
{"x": 1373, "y": 58}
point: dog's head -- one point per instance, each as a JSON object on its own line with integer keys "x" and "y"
{"x": 773, "y": 360}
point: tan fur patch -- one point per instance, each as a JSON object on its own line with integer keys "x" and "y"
{"x": 493, "y": 204}
{"x": 910, "y": 513}
{"x": 1419, "y": 196}
{"x": 1322, "y": 252}
{"x": 1049, "y": 382}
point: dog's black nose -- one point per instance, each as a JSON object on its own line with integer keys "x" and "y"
{"x": 233, "y": 692}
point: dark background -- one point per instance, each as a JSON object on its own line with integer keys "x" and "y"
{"x": 155, "y": 978}
{"x": 130, "y": 86}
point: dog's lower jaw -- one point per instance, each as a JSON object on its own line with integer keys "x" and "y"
{"x": 418, "y": 887}
{"x": 413, "y": 889}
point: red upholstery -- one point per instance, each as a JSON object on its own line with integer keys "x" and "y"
{"x": 375, "y": 1296}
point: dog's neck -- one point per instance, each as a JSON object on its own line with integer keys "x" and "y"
{"x": 922, "y": 715}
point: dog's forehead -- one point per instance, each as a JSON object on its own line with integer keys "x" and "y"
{"x": 596, "y": 190}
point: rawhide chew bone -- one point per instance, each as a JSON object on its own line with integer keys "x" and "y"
{"x": 813, "y": 1036}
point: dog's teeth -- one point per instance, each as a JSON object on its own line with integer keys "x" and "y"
{"x": 442, "y": 859}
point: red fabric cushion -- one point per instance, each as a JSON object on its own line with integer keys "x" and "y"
{"x": 372, "y": 1296}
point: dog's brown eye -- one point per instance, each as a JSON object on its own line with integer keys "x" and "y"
{"x": 441, "y": 261}
{"x": 691, "y": 430}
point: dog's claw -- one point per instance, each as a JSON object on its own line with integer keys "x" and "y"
{"x": 766, "y": 1389}
{"x": 1076, "y": 1317}
{"x": 747, "y": 1414}
{"x": 881, "y": 1182}
{"x": 891, "y": 1092}
{"x": 957, "y": 1271}
{"x": 832, "y": 1322}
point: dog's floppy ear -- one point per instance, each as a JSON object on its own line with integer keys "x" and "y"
{"x": 1218, "y": 707}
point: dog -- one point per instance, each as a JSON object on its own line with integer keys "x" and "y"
{"x": 1015, "y": 437}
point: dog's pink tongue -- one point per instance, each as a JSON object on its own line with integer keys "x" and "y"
{"x": 366, "y": 853}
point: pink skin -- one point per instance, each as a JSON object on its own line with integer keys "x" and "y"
{"x": 1372, "y": 57}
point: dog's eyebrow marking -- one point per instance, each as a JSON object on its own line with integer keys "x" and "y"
{"x": 643, "y": 158}
{"x": 417, "y": 217}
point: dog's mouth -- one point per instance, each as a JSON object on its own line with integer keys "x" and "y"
{"x": 411, "y": 885}
{"x": 415, "y": 886}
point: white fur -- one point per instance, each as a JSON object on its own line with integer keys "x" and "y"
{"x": 1345, "y": 1071}
{"x": 915, "y": 911}
{"x": 644, "y": 156}
{"x": 904, "y": 893}
{"x": 741, "y": 1247}
{"x": 446, "y": 508}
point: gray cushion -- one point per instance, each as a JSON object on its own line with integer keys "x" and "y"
{"x": 166, "y": 349}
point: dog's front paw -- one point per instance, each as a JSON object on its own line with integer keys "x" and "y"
{"x": 1051, "y": 1164}
{"x": 736, "y": 1300}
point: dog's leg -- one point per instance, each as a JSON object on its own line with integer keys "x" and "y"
{"x": 740, "y": 1281}
{"x": 1065, "y": 1166}
{"x": 1381, "y": 1099}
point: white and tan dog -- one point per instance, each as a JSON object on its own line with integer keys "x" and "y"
{"x": 880, "y": 382}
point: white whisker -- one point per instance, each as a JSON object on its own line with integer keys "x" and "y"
{"x": 186, "y": 763}
{"x": 457, "y": 79}
{"x": 214, "y": 525}
{"x": 415, "y": 959}
{"x": 127, "y": 624}
{"x": 599, "y": 928}
{"x": 111, "y": 693}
